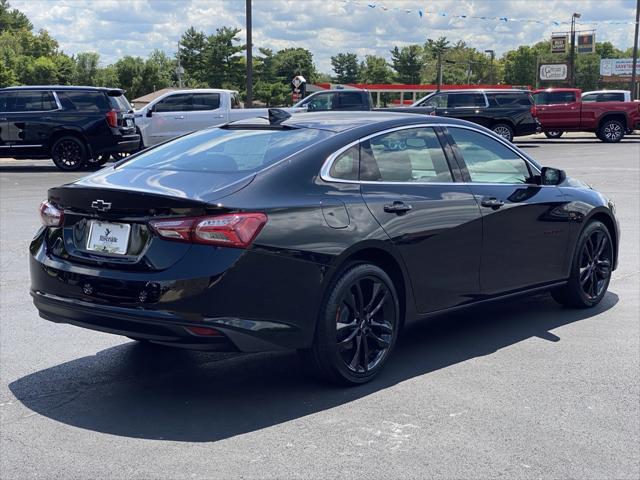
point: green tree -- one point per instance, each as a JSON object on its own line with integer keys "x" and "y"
{"x": 65, "y": 67}
{"x": 407, "y": 62}
{"x": 375, "y": 69}
{"x": 129, "y": 72}
{"x": 272, "y": 93}
{"x": 294, "y": 61}
{"x": 7, "y": 75}
{"x": 192, "y": 54}
{"x": 12, "y": 19}
{"x": 223, "y": 62}
{"x": 41, "y": 71}
{"x": 345, "y": 65}
{"x": 86, "y": 68}
{"x": 107, "y": 77}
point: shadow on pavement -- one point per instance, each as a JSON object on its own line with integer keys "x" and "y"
{"x": 140, "y": 391}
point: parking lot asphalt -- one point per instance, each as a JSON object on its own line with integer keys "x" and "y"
{"x": 520, "y": 389}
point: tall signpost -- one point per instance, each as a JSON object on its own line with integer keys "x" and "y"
{"x": 634, "y": 87}
{"x": 572, "y": 53}
{"x": 249, "y": 101}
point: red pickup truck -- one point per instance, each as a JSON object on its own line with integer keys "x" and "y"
{"x": 561, "y": 110}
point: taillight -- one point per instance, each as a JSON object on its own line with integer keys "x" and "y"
{"x": 50, "y": 215}
{"x": 534, "y": 111}
{"x": 231, "y": 230}
{"x": 112, "y": 118}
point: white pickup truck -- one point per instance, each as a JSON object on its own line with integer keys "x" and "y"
{"x": 183, "y": 111}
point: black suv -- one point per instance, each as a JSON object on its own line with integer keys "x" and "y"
{"x": 508, "y": 112}
{"x": 74, "y": 126}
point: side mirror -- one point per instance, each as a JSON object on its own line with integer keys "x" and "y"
{"x": 552, "y": 176}
{"x": 150, "y": 113}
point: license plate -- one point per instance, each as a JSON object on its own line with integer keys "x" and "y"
{"x": 105, "y": 237}
{"x": 128, "y": 122}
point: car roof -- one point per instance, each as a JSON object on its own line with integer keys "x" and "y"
{"x": 342, "y": 121}
{"x": 484, "y": 90}
{"x": 606, "y": 91}
{"x": 62, "y": 87}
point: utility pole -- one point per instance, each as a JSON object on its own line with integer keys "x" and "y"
{"x": 249, "y": 101}
{"x": 179, "y": 70}
{"x": 492, "y": 53}
{"x": 634, "y": 87}
{"x": 439, "y": 71}
{"x": 572, "y": 54}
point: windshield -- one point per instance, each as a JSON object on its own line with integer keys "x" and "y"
{"x": 121, "y": 103}
{"x": 423, "y": 101}
{"x": 227, "y": 150}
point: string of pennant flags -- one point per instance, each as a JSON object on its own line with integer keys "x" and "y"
{"x": 421, "y": 12}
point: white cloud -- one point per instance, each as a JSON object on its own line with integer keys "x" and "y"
{"x": 135, "y": 27}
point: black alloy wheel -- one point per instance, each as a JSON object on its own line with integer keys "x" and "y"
{"x": 504, "y": 130}
{"x": 554, "y": 133}
{"x": 98, "y": 160}
{"x": 611, "y": 131}
{"x": 591, "y": 269}
{"x": 357, "y": 328}
{"x": 69, "y": 153}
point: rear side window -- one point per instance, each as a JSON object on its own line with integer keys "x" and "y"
{"x": 511, "y": 99}
{"x": 462, "y": 100}
{"x": 349, "y": 99}
{"x": 83, "y": 101}
{"x": 553, "y": 98}
{"x": 225, "y": 150}
{"x": 346, "y": 165}
{"x": 34, "y": 101}
{"x": 235, "y": 102}
{"x": 205, "y": 101}
{"x": 410, "y": 155}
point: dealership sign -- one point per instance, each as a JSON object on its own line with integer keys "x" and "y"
{"x": 553, "y": 71}
{"x": 617, "y": 67}
{"x": 587, "y": 43}
{"x": 559, "y": 43}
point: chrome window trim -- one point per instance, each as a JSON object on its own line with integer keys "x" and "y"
{"x": 326, "y": 166}
{"x": 55, "y": 97}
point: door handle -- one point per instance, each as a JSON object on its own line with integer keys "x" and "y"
{"x": 179, "y": 117}
{"x": 397, "y": 207}
{"x": 219, "y": 116}
{"x": 491, "y": 202}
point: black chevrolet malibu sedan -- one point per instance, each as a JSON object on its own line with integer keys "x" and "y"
{"x": 323, "y": 232}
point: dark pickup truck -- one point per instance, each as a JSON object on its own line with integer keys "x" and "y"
{"x": 508, "y": 112}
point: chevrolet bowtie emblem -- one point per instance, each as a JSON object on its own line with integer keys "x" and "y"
{"x": 101, "y": 205}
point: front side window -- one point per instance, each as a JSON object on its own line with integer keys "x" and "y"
{"x": 180, "y": 102}
{"x": 319, "y": 102}
{"x": 34, "y": 101}
{"x": 6, "y": 101}
{"x": 205, "y": 101}
{"x": 488, "y": 160}
{"x": 227, "y": 150}
{"x": 410, "y": 155}
{"x": 437, "y": 101}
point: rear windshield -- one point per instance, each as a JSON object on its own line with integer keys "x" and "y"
{"x": 227, "y": 150}
{"x": 83, "y": 100}
{"x": 120, "y": 102}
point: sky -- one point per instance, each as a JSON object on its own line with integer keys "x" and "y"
{"x": 115, "y": 28}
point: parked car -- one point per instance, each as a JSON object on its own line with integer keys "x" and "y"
{"x": 324, "y": 232}
{"x": 74, "y": 126}
{"x": 508, "y": 112}
{"x": 607, "y": 96}
{"x": 562, "y": 109}
{"x": 180, "y": 112}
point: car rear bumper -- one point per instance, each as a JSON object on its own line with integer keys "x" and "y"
{"x": 128, "y": 143}
{"x": 524, "y": 129}
{"x": 243, "y": 295}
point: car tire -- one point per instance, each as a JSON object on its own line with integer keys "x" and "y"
{"x": 98, "y": 161}
{"x": 611, "y": 131}
{"x": 554, "y": 133}
{"x": 503, "y": 130}
{"x": 69, "y": 153}
{"x": 356, "y": 332}
{"x": 590, "y": 269}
